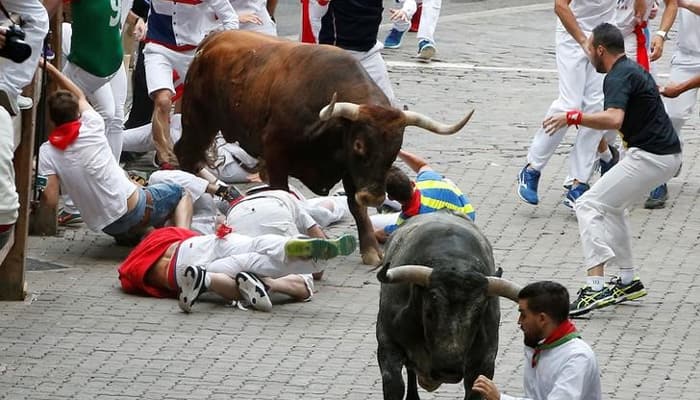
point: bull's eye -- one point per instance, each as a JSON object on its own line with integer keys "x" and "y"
{"x": 359, "y": 147}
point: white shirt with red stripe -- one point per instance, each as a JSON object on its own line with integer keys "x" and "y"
{"x": 181, "y": 25}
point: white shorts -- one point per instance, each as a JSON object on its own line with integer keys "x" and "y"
{"x": 164, "y": 66}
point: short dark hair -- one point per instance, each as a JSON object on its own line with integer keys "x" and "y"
{"x": 610, "y": 37}
{"x": 548, "y": 297}
{"x": 63, "y": 107}
{"x": 398, "y": 185}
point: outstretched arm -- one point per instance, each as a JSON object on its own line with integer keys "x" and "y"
{"x": 676, "y": 89}
{"x": 63, "y": 82}
{"x": 416, "y": 163}
{"x": 692, "y": 6}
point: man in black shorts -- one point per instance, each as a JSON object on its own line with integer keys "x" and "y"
{"x": 653, "y": 154}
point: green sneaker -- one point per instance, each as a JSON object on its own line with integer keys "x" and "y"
{"x": 321, "y": 248}
{"x": 631, "y": 291}
{"x": 588, "y": 300}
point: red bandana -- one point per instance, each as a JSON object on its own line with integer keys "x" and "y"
{"x": 223, "y": 230}
{"x": 413, "y": 205}
{"x": 642, "y": 56}
{"x": 65, "y": 134}
{"x": 564, "y": 332}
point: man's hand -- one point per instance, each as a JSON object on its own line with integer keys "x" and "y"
{"x": 671, "y": 90}
{"x": 140, "y": 29}
{"x": 249, "y": 19}
{"x": 398, "y": 14}
{"x": 381, "y": 236}
{"x": 2, "y": 36}
{"x": 657, "y": 48}
{"x": 554, "y": 122}
{"x": 486, "y": 388}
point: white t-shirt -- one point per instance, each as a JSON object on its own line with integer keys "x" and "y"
{"x": 688, "y": 32}
{"x": 89, "y": 173}
{"x": 590, "y": 13}
{"x": 569, "y": 371}
{"x": 624, "y": 15}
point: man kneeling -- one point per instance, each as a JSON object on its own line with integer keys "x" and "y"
{"x": 177, "y": 262}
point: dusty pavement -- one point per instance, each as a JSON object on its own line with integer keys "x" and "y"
{"x": 78, "y": 336}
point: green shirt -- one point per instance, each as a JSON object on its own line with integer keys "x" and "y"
{"x": 96, "y": 44}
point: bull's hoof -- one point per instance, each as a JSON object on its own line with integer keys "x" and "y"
{"x": 372, "y": 257}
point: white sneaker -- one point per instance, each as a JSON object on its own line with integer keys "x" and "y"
{"x": 24, "y": 103}
{"x": 253, "y": 291}
{"x": 192, "y": 282}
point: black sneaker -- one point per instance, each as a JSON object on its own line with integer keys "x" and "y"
{"x": 606, "y": 166}
{"x": 588, "y": 300}
{"x": 191, "y": 280}
{"x": 253, "y": 291}
{"x": 620, "y": 292}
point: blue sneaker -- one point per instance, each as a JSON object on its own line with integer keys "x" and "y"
{"x": 528, "y": 179}
{"x": 605, "y": 166}
{"x": 393, "y": 40}
{"x": 426, "y": 49}
{"x": 574, "y": 193}
{"x": 657, "y": 198}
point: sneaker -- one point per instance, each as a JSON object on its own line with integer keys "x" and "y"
{"x": 415, "y": 21}
{"x": 605, "y": 166}
{"x": 528, "y": 179}
{"x": 24, "y": 102}
{"x": 9, "y": 103}
{"x": 253, "y": 291}
{"x": 321, "y": 248}
{"x": 393, "y": 40}
{"x": 588, "y": 300}
{"x": 657, "y": 198}
{"x": 426, "y": 49}
{"x": 191, "y": 280}
{"x": 65, "y": 218}
{"x": 631, "y": 291}
{"x": 574, "y": 193}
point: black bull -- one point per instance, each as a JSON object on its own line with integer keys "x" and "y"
{"x": 272, "y": 96}
{"x": 439, "y": 309}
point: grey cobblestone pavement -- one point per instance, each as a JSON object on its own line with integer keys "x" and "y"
{"x": 78, "y": 336}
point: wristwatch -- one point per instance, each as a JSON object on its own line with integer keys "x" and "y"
{"x": 663, "y": 34}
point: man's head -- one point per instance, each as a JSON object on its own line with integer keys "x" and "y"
{"x": 605, "y": 46}
{"x": 398, "y": 185}
{"x": 542, "y": 306}
{"x": 63, "y": 107}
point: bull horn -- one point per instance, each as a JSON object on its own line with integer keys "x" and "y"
{"x": 425, "y": 122}
{"x": 416, "y": 274}
{"x": 503, "y": 287}
{"x": 350, "y": 111}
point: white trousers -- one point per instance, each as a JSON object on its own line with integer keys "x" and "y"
{"x": 428, "y": 20}
{"x": 683, "y": 67}
{"x": 140, "y": 139}
{"x": 327, "y": 210}
{"x": 602, "y": 211}
{"x": 9, "y": 201}
{"x": 580, "y": 87}
{"x": 203, "y": 206}
{"x": 14, "y": 77}
{"x": 264, "y": 215}
{"x": 107, "y": 95}
{"x": 263, "y": 255}
{"x": 375, "y": 66}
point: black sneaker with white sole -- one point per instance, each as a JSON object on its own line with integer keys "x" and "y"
{"x": 191, "y": 280}
{"x": 253, "y": 291}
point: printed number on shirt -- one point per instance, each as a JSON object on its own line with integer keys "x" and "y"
{"x": 116, "y": 7}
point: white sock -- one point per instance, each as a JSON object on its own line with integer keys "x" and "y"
{"x": 606, "y": 155}
{"x": 626, "y": 276}
{"x": 595, "y": 282}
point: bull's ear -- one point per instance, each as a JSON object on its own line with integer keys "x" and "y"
{"x": 499, "y": 272}
{"x": 381, "y": 274}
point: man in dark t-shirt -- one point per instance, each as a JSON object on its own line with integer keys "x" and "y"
{"x": 632, "y": 106}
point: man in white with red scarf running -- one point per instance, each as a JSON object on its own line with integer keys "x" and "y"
{"x": 559, "y": 365}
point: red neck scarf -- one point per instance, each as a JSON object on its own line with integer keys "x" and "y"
{"x": 413, "y": 206}
{"x": 642, "y": 56}
{"x": 65, "y": 134}
{"x": 565, "y": 332}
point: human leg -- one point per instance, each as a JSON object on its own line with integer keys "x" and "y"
{"x": 426, "y": 29}
{"x": 375, "y": 66}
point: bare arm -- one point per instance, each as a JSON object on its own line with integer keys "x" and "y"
{"x": 225, "y": 12}
{"x": 667, "y": 19}
{"x": 416, "y": 163}
{"x": 692, "y": 6}
{"x": 568, "y": 19}
{"x": 609, "y": 119}
{"x": 675, "y": 90}
{"x": 63, "y": 82}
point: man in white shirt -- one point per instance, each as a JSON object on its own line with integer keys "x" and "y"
{"x": 559, "y": 365}
{"x": 78, "y": 160}
{"x": 580, "y": 87}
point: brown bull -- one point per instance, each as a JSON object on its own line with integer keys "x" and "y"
{"x": 272, "y": 96}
